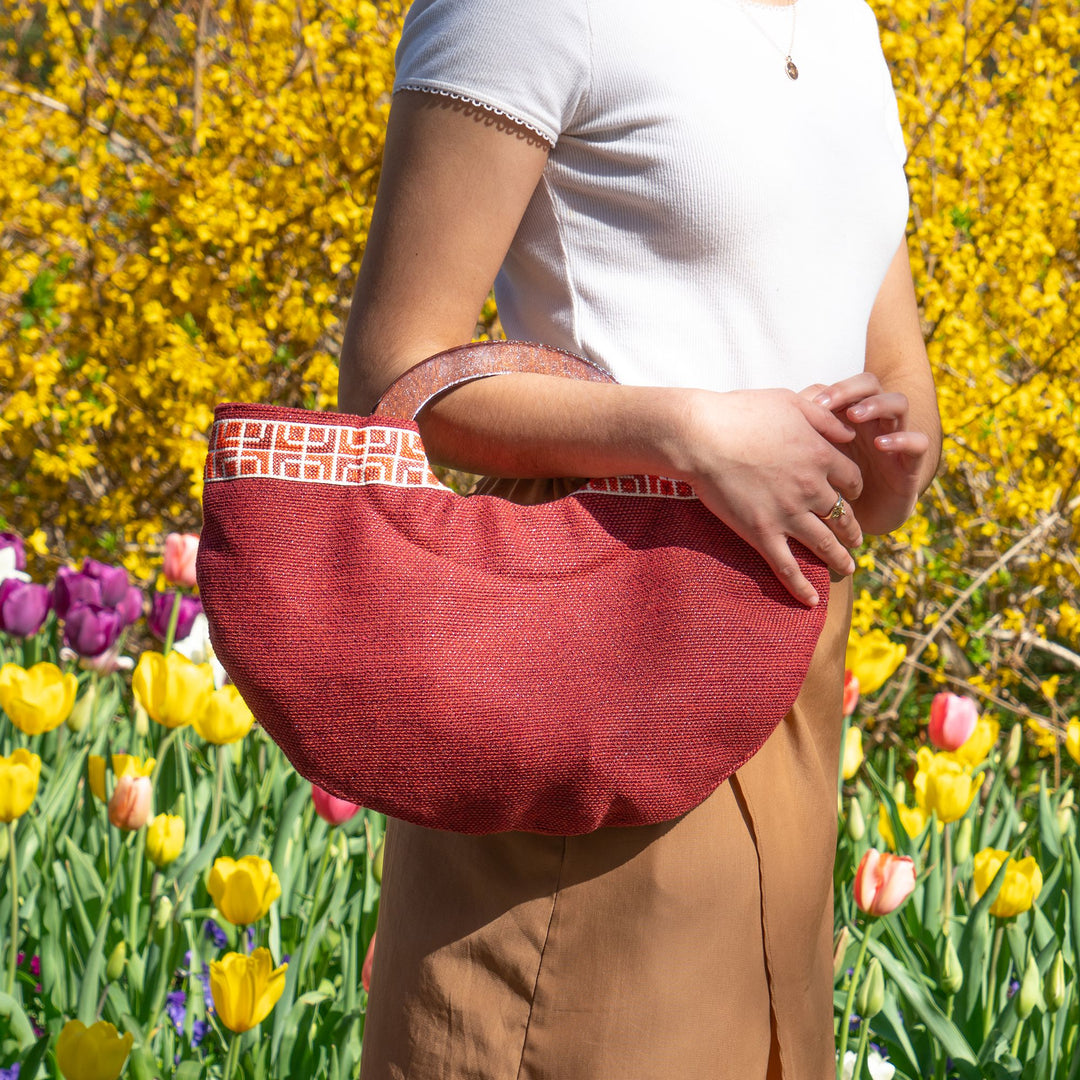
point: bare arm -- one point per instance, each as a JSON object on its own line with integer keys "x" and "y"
{"x": 452, "y": 193}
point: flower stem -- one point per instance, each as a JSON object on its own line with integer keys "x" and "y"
{"x": 136, "y": 886}
{"x": 233, "y": 1058}
{"x": 845, "y": 1023}
{"x": 305, "y": 956}
{"x": 219, "y": 787}
{"x": 860, "y": 1053}
{"x": 1015, "y": 1048}
{"x": 946, "y": 906}
{"x": 174, "y": 618}
{"x": 13, "y": 944}
{"x": 991, "y": 990}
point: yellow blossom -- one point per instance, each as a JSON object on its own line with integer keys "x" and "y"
{"x": 19, "y": 776}
{"x": 122, "y": 765}
{"x": 872, "y": 658}
{"x": 97, "y": 1052}
{"x": 1021, "y": 887}
{"x": 944, "y": 785}
{"x": 243, "y": 889}
{"x": 38, "y": 699}
{"x": 226, "y": 717}
{"x": 1072, "y": 739}
{"x": 245, "y": 988}
{"x": 913, "y": 818}
{"x": 165, "y": 839}
{"x": 853, "y": 752}
{"x": 981, "y": 741}
{"x": 1044, "y": 737}
{"x": 171, "y": 688}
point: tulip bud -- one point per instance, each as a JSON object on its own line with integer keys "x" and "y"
{"x": 1054, "y": 987}
{"x": 856, "y": 823}
{"x": 839, "y": 956}
{"x": 899, "y": 792}
{"x": 871, "y": 996}
{"x": 951, "y": 978}
{"x": 142, "y": 720}
{"x": 163, "y": 912}
{"x": 83, "y": 710}
{"x": 377, "y": 861}
{"x": 117, "y": 960}
{"x": 1067, "y": 798}
{"x": 962, "y": 842}
{"x": 1064, "y": 817}
{"x": 1013, "y": 747}
{"x": 4, "y": 844}
{"x": 1030, "y": 993}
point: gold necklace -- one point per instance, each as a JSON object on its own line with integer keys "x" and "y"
{"x": 790, "y": 69}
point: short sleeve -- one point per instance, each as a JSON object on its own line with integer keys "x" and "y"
{"x": 527, "y": 61}
{"x": 891, "y": 112}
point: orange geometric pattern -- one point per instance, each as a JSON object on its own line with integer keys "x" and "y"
{"x": 248, "y": 449}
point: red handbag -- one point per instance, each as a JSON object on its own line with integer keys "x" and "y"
{"x": 472, "y": 664}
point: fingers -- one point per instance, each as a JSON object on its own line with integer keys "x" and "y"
{"x": 818, "y": 538}
{"x": 887, "y": 407}
{"x": 843, "y": 527}
{"x": 825, "y": 423}
{"x": 847, "y": 391}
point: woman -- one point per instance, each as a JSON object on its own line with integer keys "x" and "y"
{"x": 713, "y": 208}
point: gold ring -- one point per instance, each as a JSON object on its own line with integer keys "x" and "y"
{"x": 839, "y": 509}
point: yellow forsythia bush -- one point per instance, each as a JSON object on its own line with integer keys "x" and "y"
{"x": 185, "y": 190}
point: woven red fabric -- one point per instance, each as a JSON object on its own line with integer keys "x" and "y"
{"x": 474, "y": 665}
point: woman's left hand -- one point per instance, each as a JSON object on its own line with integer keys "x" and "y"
{"x": 890, "y": 455}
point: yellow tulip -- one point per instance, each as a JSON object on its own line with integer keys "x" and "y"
{"x": 1021, "y": 887}
{"x": 171, "y": 688}
{"x": 19, "y": 776}
{"x": 97, "y": 1052}
{"x": 245, "y": 988}
{"x": 165, "y": 839}
{"x": 945, "y": 785}
{"x": 38, "y": 699}
{"x": 913, "y": 818}
{"x": 226, "y": 717}
{"x": 243, "y": 889}
{"x": 853, "y": 752}
{"x": 1072, "y": 739}
{"x": 872, "y": 658}
{"x": 981, "y": 741}
{"x": 122, "y": 765}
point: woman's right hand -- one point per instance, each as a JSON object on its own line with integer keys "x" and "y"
{"x": 764, "y": 461}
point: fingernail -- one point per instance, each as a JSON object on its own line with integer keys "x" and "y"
{"x": 857, "y": 412}
{"x": 823, "y": 400}
{"x": 885, "y": 442}
{"x": 813, "y": 599}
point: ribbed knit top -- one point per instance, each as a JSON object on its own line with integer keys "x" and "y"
{"x": 702, "y": 220}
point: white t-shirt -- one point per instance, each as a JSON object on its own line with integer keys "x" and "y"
{"x": 702, "y": 220}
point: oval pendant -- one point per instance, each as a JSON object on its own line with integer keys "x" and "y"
{"x": 791, "y": 69}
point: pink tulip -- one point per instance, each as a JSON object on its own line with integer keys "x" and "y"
{"x": 883, "y": 882}
{"x": 952, "y": 720}
{"x": 330, "y": 808}
{"x": 180, "y": 552}
{"x": 851, "y": 693}
{"x": 132, "y": 802}
{"x": 369, "y": 963}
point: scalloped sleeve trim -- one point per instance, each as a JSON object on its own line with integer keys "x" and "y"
{"x": 542, "y": 132}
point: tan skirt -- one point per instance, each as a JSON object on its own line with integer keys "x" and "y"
{"x": 698, "y": 949}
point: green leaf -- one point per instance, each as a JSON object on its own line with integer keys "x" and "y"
{"x": 937, "y": 1023}
{"x": 1049, "y": 833}
{"x": 91, "y": 975}
{"x": 18, "y": 1021}
{"x": 31, "y": 1063}
{"x": 199, "y": 862}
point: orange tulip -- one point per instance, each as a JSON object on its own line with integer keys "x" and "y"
{"x": 883, "y": 882}
{"x": 132, "y": 802}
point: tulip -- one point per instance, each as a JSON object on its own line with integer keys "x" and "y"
{"x": 131, "y": 803}
{"x": 872, "y": 658}
{"x": 226, "y": 717}
{"x": 871, "y": 997}
{"x": 19, "y": 775}
{"x": 952, "y": 720}
{"x": 97, "y": 1052}
{"x": 165, "y": 839}
{"x": 130, "y": 608}
{"x": 369, "y": 965}
{"x": 245, "y": 988}
{"x": 1054, "y": 986}
{"x": 883, "y": 882}
{"x": 951, "y": 979}
{"x": 112, "y": 580}
{"x": 71, "y": 587}
{"x": 83, "y": 710}
{"x": 1021, "y": 887}
{"x": 1030, "y": 993}
{"x": 161, "y": 609}
{"x": 944, "y": 785}
{"x": 851, "y": 693}
{"x": 13, "y": 543}
{"x": 330, "y": 808}
{"x": 855, "y": 826}
{"x": 91, "y": 629}
{"x": 198, "y": 648}
{"x": 180, "y": 552}
{"x": 913, "y": 818}
{"x": 962, "y": 841}
{"x": 122, "y": 765}
{"x": 853, "y": 752}
{"x": 1072, "y": 740}
{"x": 243, "y": 889}
{"x": 37, "y": 699}
{"x": 23, "y": 607}
{"x": 171, "y": 688}
{"x": 982, "y": 740}
{"x": 117, "y": 962}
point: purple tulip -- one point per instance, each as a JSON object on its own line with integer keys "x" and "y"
{"x": 13, "y": 540}
{"x": 113, "y": 581}
{"x": 130, "y": 608}
{"x": 72, "y": 587}
{"x": 90, "y": 629}
{"x": 161, "y": 611}
{"x": 23, "y": 607}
